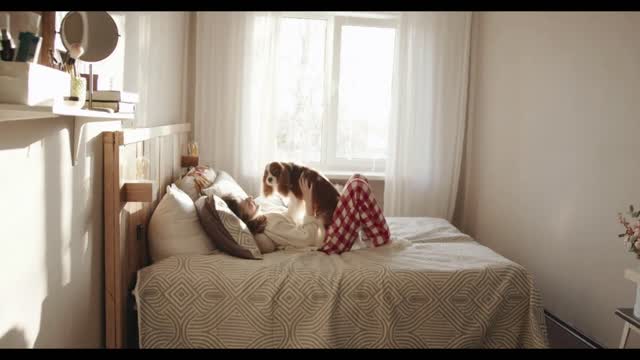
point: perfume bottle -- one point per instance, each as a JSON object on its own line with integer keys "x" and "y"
{"x": 8, "y": 47}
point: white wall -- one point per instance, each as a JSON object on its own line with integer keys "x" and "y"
{"x": 553, "y": 153}
{"x": 51, "y": 232}
{"x": 156, "y": 64}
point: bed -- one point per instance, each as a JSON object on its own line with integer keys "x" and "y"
{"x": 432, "y": 287}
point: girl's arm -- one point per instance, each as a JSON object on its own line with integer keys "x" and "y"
{"x": 285, "y": 232}
{"x": 264, "y": 243}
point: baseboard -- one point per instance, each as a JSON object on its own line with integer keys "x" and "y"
{"x": 569, "y": 336}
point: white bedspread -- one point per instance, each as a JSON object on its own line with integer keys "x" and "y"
{"x": 433, "y": 287}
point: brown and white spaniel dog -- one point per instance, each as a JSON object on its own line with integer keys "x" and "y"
{"x": 283, "y": 178}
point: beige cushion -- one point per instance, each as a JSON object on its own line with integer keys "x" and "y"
{"x": 195, "y": 180}
{"x": 225, "y": 229}
{"x": 174, "y": 227}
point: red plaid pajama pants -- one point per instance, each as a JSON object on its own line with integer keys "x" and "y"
{"x": 357, "y": 209}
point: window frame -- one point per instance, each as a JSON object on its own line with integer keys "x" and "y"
{"x": 335, "y": 22}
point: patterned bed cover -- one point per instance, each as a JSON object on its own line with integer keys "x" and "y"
{"x": 433, "y": 287}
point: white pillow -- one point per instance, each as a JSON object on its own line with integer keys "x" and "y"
{"x": 225, "y": 185}
{"x": 174, "y": 228}
{"x": 195, "y": 180}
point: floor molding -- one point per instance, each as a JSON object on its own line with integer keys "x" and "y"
{"x": 572, "y": 331}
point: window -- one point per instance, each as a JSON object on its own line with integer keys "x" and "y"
{"x": 333, "y": 89}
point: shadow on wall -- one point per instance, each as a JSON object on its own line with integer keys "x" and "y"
{"x": 14, "y": 338}
{"x": 20, "y": 134}
{"x": 72, "y": 305}
{"x": 71, "y": 313}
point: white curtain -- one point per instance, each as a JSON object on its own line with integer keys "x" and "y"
{"x": 428, "y": 114}
{"x": 233, "y": 93}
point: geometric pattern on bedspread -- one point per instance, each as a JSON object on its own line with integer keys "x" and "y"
{"x": 455, "y": 294}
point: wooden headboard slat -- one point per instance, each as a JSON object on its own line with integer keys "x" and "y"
{"x": 126, "y": 222}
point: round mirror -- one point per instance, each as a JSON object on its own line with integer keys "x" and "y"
{"x": 95, "y": 31}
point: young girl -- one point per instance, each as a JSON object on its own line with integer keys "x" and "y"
{"x": 357, "y": 210}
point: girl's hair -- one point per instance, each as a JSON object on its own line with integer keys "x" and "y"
{"x": 255, "y": 225}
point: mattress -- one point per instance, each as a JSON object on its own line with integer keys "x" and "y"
{"x": 432, "y": 287}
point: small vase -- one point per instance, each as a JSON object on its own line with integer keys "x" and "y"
{"x": 78, "y": 90}
{"x": 142, "y": 168}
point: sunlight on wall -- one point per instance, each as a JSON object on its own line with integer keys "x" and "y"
{"x": 144, "y": 34}
{"x": 88, "y": 203}
{"x": 65, "y": 211}
{"x": 22, "y": 249}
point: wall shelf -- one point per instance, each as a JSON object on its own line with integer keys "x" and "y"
{"x": 81, "y": 117}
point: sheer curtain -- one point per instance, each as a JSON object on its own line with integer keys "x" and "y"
{"x": 428, "y": 114}
{"x": 235, "y": 125}
{"x": 234, "y": 93}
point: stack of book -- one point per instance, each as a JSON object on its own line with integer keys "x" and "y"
{"x": 115, "y": 100}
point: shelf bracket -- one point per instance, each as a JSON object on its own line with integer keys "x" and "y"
{"x": 78, "y": 126}
{"x": 79, "y": 123}
{"x": 80, "y": 117}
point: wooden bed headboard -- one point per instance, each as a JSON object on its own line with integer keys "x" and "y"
{"x": 128, "y": 204}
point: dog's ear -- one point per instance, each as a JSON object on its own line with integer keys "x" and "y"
{"x": 267, "y": 189}
{"x": 265, "y": 174}
{"x": 275, "y": 168}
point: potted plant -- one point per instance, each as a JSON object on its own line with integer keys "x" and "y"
{"x": 632, "y": 231}
{"x": 631, "y": 236}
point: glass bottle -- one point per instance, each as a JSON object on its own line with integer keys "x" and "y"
{"x": 8, "y": 46}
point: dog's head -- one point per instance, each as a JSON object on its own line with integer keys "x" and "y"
{"x": 276, "y": 177}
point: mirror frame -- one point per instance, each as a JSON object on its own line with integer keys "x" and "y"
{"x": 111, "y": 21}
